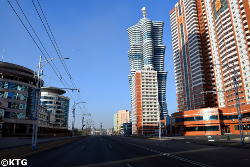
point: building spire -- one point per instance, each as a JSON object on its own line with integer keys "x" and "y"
{"x": 144, "y": 12}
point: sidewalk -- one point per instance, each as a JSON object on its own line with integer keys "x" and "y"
{"x": 21, "y": 151}
{"x": 10, "y": 142}
{"x": 220, "y": 140}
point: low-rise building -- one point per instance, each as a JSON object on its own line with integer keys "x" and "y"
{"x": 209, "y": 121}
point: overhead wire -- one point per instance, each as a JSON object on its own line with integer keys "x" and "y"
{"x": 34, "y": 40}
{"x": 55, "y": 45}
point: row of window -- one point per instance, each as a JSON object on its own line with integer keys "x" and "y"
{"x": 197, "y": 118}
{"x": 53, "y": 98}
{"x": 9, "y": 85}
{"x": 19, "y": 106}
{"x": 14, "y": 115}
{"x": 201, "y": 128}
{"x": 11, "y": 95}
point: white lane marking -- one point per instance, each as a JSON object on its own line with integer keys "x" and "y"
{"x": 129, "y": 165}
{"x": 174, "y": 156}
{"x": 110, "y": 146}
{"x": 82, "y": 147}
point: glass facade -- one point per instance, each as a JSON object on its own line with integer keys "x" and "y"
{"x": 201, "y": 128}
{"x": 197, "y": 118}
{"x": 14, "y": 86}
{"x": 59, "y": 106}
{"x": 27, "y": 100}
{"x": 15, "y": 115}
{"x": 1, "y": 114}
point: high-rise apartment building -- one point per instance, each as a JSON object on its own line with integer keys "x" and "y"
{"x": 145, "y": 101}
{"x": 209, "y": 37}
{"x": 146, "y": 49}
{"x": 147, "y": 52}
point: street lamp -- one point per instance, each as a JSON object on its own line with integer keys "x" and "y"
{"x": 38, "y": 78}
{"x": 84, "y": 114}
{"x": 73, "y": 112}
{"x": 236, "y": 93}
{"x": 159, "y": 122}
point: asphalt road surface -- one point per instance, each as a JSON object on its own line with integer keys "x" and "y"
{"x": 118, "y": 151}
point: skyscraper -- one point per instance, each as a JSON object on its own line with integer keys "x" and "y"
{"x": 209, "y": 37}
{"x": 147, "y": 51}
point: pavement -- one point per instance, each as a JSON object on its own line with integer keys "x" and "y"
{"x": 17, "y": 148}
{"x": 11, "y": 142}
{"x": 227, "y": 140}
{"x": 119, "y": 151}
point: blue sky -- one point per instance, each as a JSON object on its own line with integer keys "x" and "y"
{"x": 94, "y": 35}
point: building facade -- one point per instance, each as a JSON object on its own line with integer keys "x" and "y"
{"x": 116, "y": 122}
{"x": 53, "y": 100}
{"x": 211, "y": 43}
{"x": 146, "y": 49}
{"x": 147, "y": 54}
{"x": 17, "y": 97}
{"x": 145, "y": 102}
{"x": 209, "y": 121}
{"x": 210, "y": 40}
{"x": 123, "y": 117}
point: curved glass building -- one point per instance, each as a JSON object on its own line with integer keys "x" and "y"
{"x": 17, "y": 96}
{"x": 54, "y": 102}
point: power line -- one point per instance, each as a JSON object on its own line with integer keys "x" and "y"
{"x": 34, "y": 40}
{"x": 56, "y": 48}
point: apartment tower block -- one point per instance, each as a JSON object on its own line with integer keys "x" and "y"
{"x": 147, "y": 52}
{"x": 210, "y": 41}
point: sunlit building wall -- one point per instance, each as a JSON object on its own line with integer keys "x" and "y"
{"x": 209, "y": 37}
{"x": 146, "y": 48}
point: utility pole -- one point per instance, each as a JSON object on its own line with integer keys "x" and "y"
{"x": 38, "y": 79}
{"x": 236, "y": 93}
{"x": 73, "y": 121}
{"x": 238, "y": 106}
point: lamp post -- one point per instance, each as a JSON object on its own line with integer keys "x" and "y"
{"x": 38, "y": 78}
{"x": 236, "y": 93}
{"x": 73, "y": 112}
{"x": 84, "y": 114}
{"x": 159, "y": 123}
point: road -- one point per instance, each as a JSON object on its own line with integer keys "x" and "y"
{"x": 118, "y": 151}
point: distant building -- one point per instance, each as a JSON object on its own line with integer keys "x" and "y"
{"x": 123, "y": 116}
{"x": 53, "y": 100}
{"x": 116, "y": 122}
{"x": 127, "y": 128}
{"x": 17, "y": 96}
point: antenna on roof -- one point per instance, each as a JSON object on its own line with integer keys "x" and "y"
{"x": 144, "y": 12}
{"x": 3, "y": 55}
